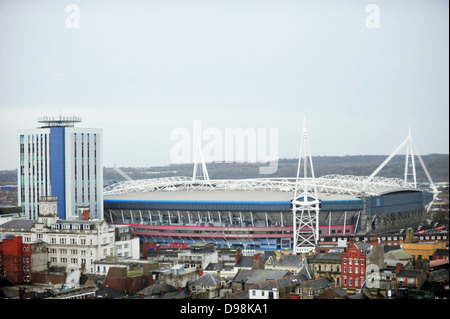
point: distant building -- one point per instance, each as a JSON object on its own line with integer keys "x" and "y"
{"x": 207, "y": 285}
{"x": 326, "y": 263}
{"x": 177, "y": 276}
{"x": 277, "y": 288}
{"x": 122, "y": 279}
{"x": 70, "y": 243}
{"x": 423, "y": 250}
{"x": 19, "y": 260}
{"x": 58, "y": 159}
{"x": 353, "y": 268}
{"x": 312, "y": 289}
{"x": 411, "y": 278}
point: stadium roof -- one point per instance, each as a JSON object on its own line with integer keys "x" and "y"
{"x": 279, "y": 188}
{"x": 221, "y": 196}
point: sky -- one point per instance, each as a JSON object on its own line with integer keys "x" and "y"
{"x": 361, "y": 73}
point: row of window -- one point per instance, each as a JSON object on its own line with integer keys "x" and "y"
{"x": 352, "y": 283}
{"x": 356, "y": 261}
{"x": 64, "y": 251}
{"x": 355, "y": 269}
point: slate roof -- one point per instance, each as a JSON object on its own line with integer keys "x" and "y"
{"x": 388, "y": 248}
{"x": 438, "y": 275}
{"x": 214, "y": 266}
{"x": 177, "y": 294}
{"x": 245, "y": 262}
{"x": 156, "y": 289}
{"x": 441, "y": 252}
{"x": 398, "y": 254}
{"x": 206, "y": 280}
{"x": 409, "y": 273}
{"x": 289, "y": 261}
{"x": 19, "y": 223}
{"x": 334, "y": 257}
{"x": 264, "y": 274}
{"x": 393, "y": 262}
{"x": 317, "y": 284}
{"x": 109, "y": 293}
{"x": 243, "y": 274}
{"x": 284, "y": 282}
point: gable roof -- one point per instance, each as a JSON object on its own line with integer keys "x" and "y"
{"x": 279, "y": 283}
{"x": 243, "y": 275}
{"x": 109, "y": 293}
{"x": 245, "y": 261}
{"x": 441, "y": 252}
{"x": 398, "y": 254}
{"x": 265, "y": 274}
{"x": 206, "y": 280}
{"x": 438, "y": 275}
{"x": 19, "y": 223}
{"x": 320, "y": 283}
{"x": 410, "y": 273}
{"x": 288, "y": 261}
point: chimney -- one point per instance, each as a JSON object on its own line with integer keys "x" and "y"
{"x": 278, "y": 255}
{"x": 374, "y": 241}
{"x": 238, "y": 255}
{"x": 398, "y": 267}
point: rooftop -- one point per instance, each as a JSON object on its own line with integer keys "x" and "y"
{"x": 57, "y": 121}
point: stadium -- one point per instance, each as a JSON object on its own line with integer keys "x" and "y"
{"x": 258, "y": 213}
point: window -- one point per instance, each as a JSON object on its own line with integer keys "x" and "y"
{"x": 310, "y": 293}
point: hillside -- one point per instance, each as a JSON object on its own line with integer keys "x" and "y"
{"x": 361, "y": 165}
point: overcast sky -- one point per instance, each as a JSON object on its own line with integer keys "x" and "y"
{"x": 141, "y": 69}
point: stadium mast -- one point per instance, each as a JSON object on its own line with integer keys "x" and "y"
{"x": 305, "y": 207}
{"x": 410, "y": 148}
{"x": 198, "y": 154}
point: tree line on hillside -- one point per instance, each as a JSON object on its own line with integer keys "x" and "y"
{"x": 359, "y": 165}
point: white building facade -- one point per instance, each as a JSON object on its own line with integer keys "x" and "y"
{"x": 73, "y": 244}
{"x": 61, "y": 160}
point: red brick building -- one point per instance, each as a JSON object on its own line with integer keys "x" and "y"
{"x": 130, "y": 282}
{"x": 353, "y": 267}
{"x": 15, "y": 259}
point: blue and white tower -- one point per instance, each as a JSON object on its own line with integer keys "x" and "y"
{"x": 58, "y": 159}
